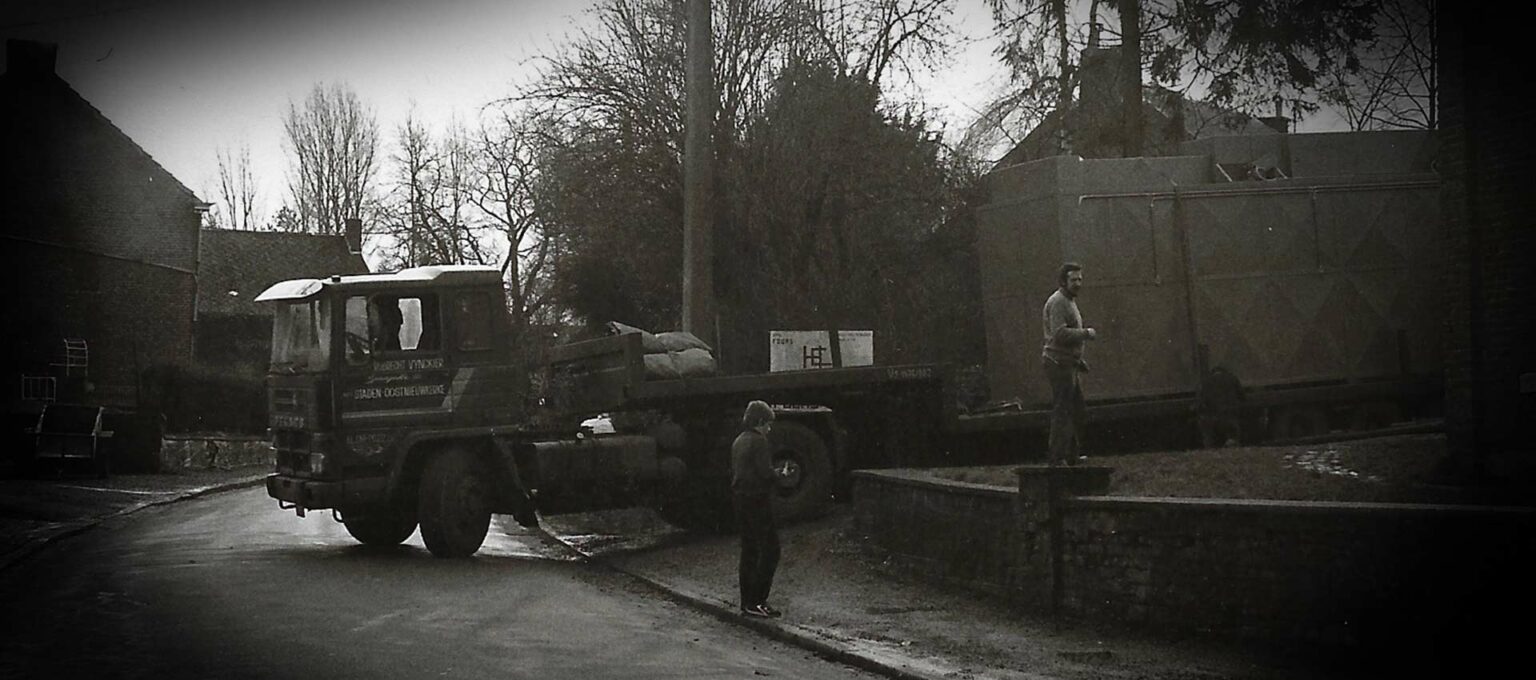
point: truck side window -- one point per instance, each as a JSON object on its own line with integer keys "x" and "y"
{"x": 386, "y": 323}
{"x": 405, "y": 323}
{"x": 430, "y": 321}
{"x": 472, "y": 316}
{"x": 358, "y": 346}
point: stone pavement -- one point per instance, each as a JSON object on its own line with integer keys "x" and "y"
{"x": 840, "y": 600}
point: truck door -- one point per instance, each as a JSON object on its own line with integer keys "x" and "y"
{"x": 395, "y": 375}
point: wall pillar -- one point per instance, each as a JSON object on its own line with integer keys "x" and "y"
{"x": 1043, "y": 490}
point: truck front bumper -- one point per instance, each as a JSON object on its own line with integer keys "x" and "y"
{"x": 316, "y": 495}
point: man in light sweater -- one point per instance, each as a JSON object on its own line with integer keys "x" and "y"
{"x": 1062, "y": 358}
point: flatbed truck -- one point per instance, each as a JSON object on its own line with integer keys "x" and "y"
{"x": 395, "y": 400}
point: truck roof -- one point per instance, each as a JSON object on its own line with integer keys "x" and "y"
{"x": 430, "y": 275}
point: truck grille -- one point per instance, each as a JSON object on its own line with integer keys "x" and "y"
{"x": 292, "y": 462}
{"x": 291, "y": 449}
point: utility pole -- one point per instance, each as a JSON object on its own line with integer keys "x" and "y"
{"x": 698, "y": 171}
{"x": 1130, "y": 65}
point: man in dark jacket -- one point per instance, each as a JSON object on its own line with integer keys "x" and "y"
{"x": 1062, "y": 359}
{"x": 752, "y": 484}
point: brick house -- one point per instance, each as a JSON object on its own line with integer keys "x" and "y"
{"x": 233, "y": 331}
{"x": 1092, "y": 127}
{"x": 100, "y": 246}
{"x": 223, "y": 388}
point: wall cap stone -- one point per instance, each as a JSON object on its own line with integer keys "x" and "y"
{"x": 1215, "y": 505}
{"x": 924, "y": 478}
{"x": 214, "y": 436}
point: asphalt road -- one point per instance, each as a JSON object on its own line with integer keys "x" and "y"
{"x": 229, "y": 586}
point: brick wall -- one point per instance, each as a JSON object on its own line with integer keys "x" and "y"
{"x": 133, "y": 315}
{"x": 1490, "y": 240}
{"x": 1339, "y": 574}
{"x": 99, "y": 241}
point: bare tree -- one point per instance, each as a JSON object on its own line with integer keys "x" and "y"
{"x": 428, "y": 218}
{"x": 504, "y": 186}
{"x": 405, "y": 219}
{"x": 626, "y": 73}
{"x": 459, "y": 235}
{"x": 873, "y": 38}
{"x": 1396, "y": 85}
{"x": 331, "y": 140}
{"x": 237, "y": 190}
{"x": 821, "y": 179}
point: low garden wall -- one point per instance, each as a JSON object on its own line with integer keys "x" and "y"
{"x": 1333, "y": 573}
{"x": 204, "y": 451}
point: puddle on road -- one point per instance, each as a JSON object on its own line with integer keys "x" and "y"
{"x": 525, "y": 546}
{"x": 572, "y": 536}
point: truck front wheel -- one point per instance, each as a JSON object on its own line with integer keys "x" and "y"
{"x": 805, "y": 472}
{"x": 455, "y": 505}
{"x": 382, "y": 526}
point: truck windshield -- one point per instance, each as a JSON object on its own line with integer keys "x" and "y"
{"x": 301, "y": 334}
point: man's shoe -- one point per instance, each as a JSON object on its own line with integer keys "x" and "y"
{"x": 772, "y": 613}
{"x": 756, "y": 610}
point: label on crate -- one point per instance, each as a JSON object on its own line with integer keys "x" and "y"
{"x": 801, "y": 350}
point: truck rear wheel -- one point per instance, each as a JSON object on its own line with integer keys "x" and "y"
{"x": 805, "y": 482}
{"x": 383, "y": 526}
{"x": 455, "y": 505}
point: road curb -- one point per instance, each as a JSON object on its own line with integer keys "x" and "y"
{"x": 782, "y": 632}
{"x": 785, "y": 633}
{"x": 77, "y": 527}
{"x": 777, "y": 630}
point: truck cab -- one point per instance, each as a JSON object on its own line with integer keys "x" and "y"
{"x": 374, "y": 378}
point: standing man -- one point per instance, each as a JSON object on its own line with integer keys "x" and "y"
{"x": 752, "y": 484}
{"x": 1063, "y": 360}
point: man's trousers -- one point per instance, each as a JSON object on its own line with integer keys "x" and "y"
{"x": 759, "y": 547}
{"x": 1067, "y": 410}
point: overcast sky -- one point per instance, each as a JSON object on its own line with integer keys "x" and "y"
{"x": 184, "y": 78}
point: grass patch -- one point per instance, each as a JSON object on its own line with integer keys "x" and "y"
{"x": 1401, "y": 469}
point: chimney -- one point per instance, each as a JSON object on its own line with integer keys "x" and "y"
{"x": 354, "y": 235}
{"x": 1278, "y": 122}
{"x": 31, "y": 60}
{"x": 1099, "y": 74}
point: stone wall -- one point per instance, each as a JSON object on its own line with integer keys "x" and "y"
{"x": 1339, "y": 574}
{"x": 948, "y": 531}
{"x": 201, "y": 452}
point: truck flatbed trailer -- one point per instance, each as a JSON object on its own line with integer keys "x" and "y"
{"x": 608, "y": 374}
